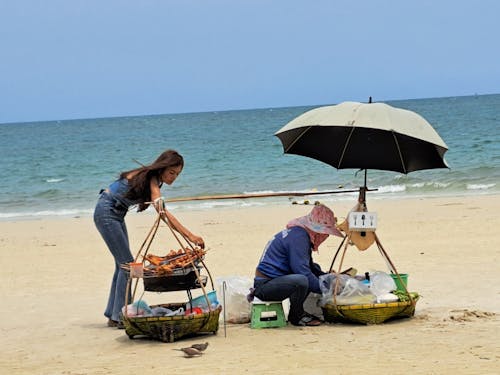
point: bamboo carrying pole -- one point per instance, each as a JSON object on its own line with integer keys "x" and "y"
{"x": 260, "y": 195}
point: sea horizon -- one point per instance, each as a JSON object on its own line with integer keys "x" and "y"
{"x": 229, "y": 110}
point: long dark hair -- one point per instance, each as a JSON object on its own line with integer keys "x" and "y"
{"x": 139, "y": 184}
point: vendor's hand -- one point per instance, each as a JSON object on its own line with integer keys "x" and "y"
{"x": 159, "y": 204}
{"x": 198, "y": 241}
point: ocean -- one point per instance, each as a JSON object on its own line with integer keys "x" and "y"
{"x": 56, "y": 168}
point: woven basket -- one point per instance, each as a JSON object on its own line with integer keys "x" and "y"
{"x": 373, "y": 313}
{"x": 172, "y": 328}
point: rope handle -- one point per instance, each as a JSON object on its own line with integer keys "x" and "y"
{"x": 386, "y": 258}
{"x": 161, "y": 210}
{"x": 192, "y": 262}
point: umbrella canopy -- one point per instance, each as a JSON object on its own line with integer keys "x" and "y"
{"x": 365, "y": 136}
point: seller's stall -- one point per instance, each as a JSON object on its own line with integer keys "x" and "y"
{"x": 178, "y": 270}
{"x": 365, "y": 136}
{"x": 364, "y": 298}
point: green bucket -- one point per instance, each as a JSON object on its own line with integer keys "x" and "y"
{"x": 404, "y": 278}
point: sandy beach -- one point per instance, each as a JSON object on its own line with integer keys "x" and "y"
{"x": 56, "y": 273}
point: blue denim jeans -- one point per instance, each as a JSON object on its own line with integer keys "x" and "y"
{"x": 109, "y": 218}
{"x": 295, "y": 287}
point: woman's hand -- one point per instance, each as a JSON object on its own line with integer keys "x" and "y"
{"x": 167, "y": 217}
{"x": 159, "y": 204}
{"x": 197, "y": 240}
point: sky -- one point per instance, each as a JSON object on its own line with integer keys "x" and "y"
{"x": 74, "y": 59}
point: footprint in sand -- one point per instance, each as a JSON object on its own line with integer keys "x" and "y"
{"x": 465, "y": 315}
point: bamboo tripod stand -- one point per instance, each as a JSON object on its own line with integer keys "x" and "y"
{"x": 350, "y": 240}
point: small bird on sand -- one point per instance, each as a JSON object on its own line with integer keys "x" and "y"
{"x": 190, "y": 352}
{"x": 200, "y": 347}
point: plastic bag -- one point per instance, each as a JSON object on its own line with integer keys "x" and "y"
{"x": 138, "y": 308}
{"x": 312, "y": 305}
{"x": 163, "y": 311}
{"x": 327, "y": 286}
{"x": 350, "y": 291}
{"x": 381, "y": 284}
{"x": 355, "y": 293}
{"x": 233, "y": 290}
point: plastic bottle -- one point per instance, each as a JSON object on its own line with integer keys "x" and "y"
{"x": 366, "y": 281}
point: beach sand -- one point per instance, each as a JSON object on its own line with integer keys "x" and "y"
{"x": 56, "y": 273}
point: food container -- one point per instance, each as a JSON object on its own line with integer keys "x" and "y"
{"x": 201, "y": 301}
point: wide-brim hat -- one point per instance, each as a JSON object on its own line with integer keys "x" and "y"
{"x": 320, "y": 220}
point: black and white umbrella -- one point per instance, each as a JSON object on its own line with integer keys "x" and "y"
{"x": 365, "y": 136}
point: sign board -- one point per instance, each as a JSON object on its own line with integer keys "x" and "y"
{"x": 362, "y": 221}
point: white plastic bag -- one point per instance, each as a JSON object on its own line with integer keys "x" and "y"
{"x": 232, "y": 292}
{"x": 355, "y": 293}
{"x": 138, "y": 308}
{"x": 381, "y": 284}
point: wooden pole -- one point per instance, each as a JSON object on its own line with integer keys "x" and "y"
{"x": 261, "y": 195}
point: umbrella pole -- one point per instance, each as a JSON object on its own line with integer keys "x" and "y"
{"x": 362, "y": 193}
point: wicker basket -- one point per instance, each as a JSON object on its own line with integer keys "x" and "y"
{"x": 374, "y": 313}
{"x": 172, "y": 328}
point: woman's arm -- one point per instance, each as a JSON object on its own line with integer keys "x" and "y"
{"x": 197, "y": 240}
{"x": 299, "y": 245}
{"x": 159, "y": 205}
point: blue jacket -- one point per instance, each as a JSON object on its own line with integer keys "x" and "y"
{"x": 289, "y": 252}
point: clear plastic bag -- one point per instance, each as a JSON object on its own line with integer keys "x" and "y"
{"x": 381, "y": 284}
{"x": 327, "y": 286}
{"x": 233, "y": 290}
{"x": 350, "y": 291}
{"x": 355, "y": 293}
